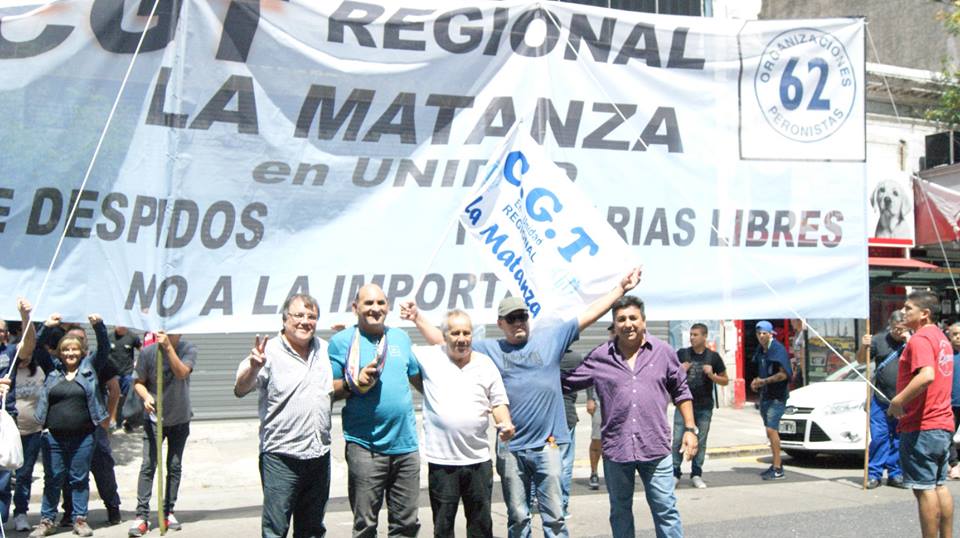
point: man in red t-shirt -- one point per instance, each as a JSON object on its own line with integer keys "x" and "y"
{"x": 922, "y": 403}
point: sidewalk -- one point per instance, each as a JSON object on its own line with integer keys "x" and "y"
{"x": 220, "y": 489}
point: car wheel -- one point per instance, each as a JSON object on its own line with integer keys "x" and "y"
{"x": 801, "y": 455}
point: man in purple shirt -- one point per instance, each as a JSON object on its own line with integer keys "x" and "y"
{"x": 636, "y": 376}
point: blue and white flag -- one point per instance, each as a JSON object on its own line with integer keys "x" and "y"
{"x": 541, "y": 234}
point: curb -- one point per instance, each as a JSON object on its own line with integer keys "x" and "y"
{"x": 737, "y": 451}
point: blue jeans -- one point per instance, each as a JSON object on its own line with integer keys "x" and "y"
{"x": 567, "y": 453}
{"x": 701, "y": 418}
{"x": 101, "y": 467}
{"x": 66, "y": 461}
{"x": 5, "y": 494}
{"x": 294, "y": 488}
{"x": 126, "y": 382}
{"x": 771, "y": 411}
{"x": 884, "y": 442}
{"x": 537, "y": 467}
{"x": 21, "y": 492}
{"x": 657, "y": 477}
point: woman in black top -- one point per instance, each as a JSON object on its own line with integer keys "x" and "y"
{"x": 70, "y": 410}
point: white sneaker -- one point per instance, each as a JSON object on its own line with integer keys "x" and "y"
{"x": 139, "y": 527}
{"x": 20, "y": 522}
{"x": 172, "y": 523}
{"x": 698, "y": 482}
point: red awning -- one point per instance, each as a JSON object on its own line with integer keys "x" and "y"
{"x": 937, "y": 211}
{"x": 903, "y": 263}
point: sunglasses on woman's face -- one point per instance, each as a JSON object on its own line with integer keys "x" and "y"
{"x": 514, "y": 317}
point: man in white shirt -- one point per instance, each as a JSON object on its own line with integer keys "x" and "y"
{"x": 461, "y": 389}
{"x": 294, "y": 382}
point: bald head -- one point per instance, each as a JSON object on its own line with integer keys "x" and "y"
{"x": 371, "y": 308}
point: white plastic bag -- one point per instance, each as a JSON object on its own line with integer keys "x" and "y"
{"x": 11, "y": 451}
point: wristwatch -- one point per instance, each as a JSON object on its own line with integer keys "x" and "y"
{"x": 694, "y": 430}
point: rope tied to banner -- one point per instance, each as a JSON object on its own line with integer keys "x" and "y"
{"x": 70, "y": 217}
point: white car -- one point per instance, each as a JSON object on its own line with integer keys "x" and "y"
{"x": 827, "y": 417}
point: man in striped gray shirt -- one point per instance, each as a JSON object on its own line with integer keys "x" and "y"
{"x": 294, "y": 385}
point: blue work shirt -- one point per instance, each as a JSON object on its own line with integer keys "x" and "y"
{"x": 531, "y": 375}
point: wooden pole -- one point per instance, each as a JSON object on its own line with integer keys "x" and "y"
{"x": 161, "y": 520}
{"x": 866, "y": 448}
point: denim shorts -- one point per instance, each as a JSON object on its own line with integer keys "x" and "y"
{"x": 771, "y": 411}
{"x": 923, "y": 457}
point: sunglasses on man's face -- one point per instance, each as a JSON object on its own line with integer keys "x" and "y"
{"x": 514, "y": 317}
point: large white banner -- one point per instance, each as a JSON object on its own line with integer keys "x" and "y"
{"x": 260, "y": 149}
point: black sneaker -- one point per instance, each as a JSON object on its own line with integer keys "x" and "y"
{"x": 896, "y": 482}
{"x": 873, "y": 483}
{"x": 113, "y": 515}
{"x": 66, "y": 521}
{"x": 594, "y": 481}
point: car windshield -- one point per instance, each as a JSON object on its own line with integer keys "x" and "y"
{"x": 847, "y": 373}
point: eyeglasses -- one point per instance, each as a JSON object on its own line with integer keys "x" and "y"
{"x": 514, "y": 317}
{"x": 300, "y": 316}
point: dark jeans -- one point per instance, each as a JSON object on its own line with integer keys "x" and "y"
{"x": 370, "y": 476}
{"x": 126, "y": 383}
{"x": 701, "y": 418}
{"x": 449, "y": 484}
{"x": 5, "y": 476}
{"x": 21, "y": 492}
{"x": 101, "y": 467}
{"x": 176, "y": 437}
{"x": 954, "y": 457}
{"x": 66, "y": 460}
{"x": 297, "y": 488}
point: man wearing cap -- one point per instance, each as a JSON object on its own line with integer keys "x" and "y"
{"x": 530, "y": 366}
{"x": 773, "y": 374}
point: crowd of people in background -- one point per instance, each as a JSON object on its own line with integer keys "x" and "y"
{"x": 66, "y": 398}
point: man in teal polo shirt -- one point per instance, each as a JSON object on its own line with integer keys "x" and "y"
{"x": 373, "y": 367}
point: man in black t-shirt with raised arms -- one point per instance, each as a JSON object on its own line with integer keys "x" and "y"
{"x": 704, "y": 368}
{"x": 885, "y": 349}
{"x": 123, "y": 342}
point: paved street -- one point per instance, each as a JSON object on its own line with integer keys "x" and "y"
{"x": 221, "y": 490}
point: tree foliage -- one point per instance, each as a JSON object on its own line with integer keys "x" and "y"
{"x": 947, "y": 110}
